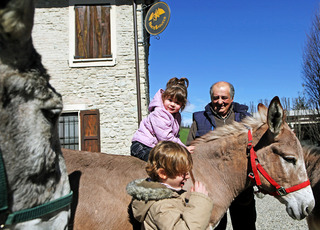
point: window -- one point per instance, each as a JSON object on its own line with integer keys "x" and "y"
{"x": 68, "y": 131}
{"x": 89, "y": 130}
{"x": 91, "y": 35}
{"x": 92, "y": 32}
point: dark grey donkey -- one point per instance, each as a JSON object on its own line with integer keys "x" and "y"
{"x": 34, "y": 186}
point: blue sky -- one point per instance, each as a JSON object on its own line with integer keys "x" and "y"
{"x": 256, "y": 45}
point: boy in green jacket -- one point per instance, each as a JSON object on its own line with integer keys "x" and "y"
{"x": 159, "y": 202}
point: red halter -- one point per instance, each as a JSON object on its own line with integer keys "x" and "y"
{"x": 256, "y": 166}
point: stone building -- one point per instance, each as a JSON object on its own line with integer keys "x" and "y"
{"x": 88, "y": 47}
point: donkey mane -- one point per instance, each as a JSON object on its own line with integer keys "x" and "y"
{"x": 311, "y": 150}
{"x": 30, "y": 84}
{"x": 312, "y": 160}
{"x": 236, "y": 128}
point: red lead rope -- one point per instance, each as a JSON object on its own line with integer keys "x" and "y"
{"x": 256, "y": 166}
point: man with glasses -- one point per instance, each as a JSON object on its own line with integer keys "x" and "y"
{"x": 220, "y": 111}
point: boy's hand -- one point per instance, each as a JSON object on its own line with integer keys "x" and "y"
{"x": 190, "y": 148}
{"x": 199, "y": 187}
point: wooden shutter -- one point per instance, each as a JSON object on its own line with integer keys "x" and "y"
{"x": 93, "y": 36}
{"x": 90, "y": 130}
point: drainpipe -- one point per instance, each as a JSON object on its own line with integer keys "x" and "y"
{"x": 136, "y": 51}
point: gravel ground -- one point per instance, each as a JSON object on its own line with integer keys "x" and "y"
{"x": 272, "y": 215}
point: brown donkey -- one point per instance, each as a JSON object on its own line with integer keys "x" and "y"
{"x": 312, "y": 159}
{"x": 220, "y": 161}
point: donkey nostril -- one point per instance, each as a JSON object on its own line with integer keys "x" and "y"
{"x": 308, "y": 210}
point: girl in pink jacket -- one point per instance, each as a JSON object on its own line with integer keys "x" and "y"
{"x": 163, "y": 122}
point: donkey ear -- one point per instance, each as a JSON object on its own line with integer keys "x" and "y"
{"x": 275, "y": 117}
{"x": 263, "y": 110}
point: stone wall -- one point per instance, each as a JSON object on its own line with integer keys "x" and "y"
{"x": 111, "y": 89}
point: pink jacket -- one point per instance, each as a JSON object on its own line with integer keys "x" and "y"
{"x": 159, "y": 125}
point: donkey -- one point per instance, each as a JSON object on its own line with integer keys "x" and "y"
{"x": 34, "y": 181}
{"x": 312, "y": 160}
{"x": 278, "y": 152}
{"x": 220, "y": 161}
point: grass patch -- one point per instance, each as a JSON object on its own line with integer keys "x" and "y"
{"x": 184, "y": 134}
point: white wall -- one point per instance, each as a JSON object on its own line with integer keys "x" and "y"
{"x": 111, "y": 89}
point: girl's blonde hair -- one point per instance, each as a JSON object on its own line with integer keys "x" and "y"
{"x": 177, "y": 90}
{"x": 170, "y": 156}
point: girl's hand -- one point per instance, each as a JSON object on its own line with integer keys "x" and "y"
{"x": 190, "y": 148}
{"x": 199, "y": 187}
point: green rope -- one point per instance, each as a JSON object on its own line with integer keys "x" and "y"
{"x": 3, "y": 186}
{"x": 41, "y": 210}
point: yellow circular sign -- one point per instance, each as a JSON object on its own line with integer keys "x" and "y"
{"x": 157, "y": 18}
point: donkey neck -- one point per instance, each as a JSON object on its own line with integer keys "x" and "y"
{"x": 223, "y": 164}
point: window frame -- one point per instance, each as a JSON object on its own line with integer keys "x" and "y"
{"x": 91, "y": 62}
{"x": 88, "y": 129}
{"x": 64, "y": 117}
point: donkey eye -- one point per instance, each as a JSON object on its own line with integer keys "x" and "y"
{"x": 51, "y": 115}
{"x": 290, "y": 159}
